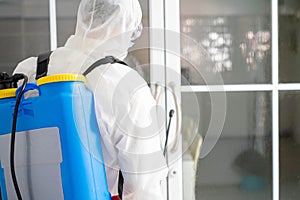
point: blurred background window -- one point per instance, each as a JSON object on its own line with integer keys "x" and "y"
{"x": 24, "y": 31}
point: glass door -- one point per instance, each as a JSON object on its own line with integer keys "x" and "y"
{"x": 289, "y": 88}
{"x": 228, "y": 44}
{"x": 244, "y": 54}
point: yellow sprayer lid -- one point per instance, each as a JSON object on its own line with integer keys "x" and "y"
{"x": 60, "y": 78}
{"x": 7, "y": 93}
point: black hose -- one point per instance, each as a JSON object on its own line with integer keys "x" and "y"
{"x": 13, "y": 139}
{"x": 171, "y": 113}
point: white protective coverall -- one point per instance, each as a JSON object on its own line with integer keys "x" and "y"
{"x": 125, "y": 109}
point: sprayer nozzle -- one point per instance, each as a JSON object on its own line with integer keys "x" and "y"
{"x": 171, "y": 113}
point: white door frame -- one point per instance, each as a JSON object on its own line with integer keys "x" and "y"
{"x": 164, "y": 18}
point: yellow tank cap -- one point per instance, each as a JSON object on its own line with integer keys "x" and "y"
{"x": 60, "y": 78}
{"x": 8, "y": 93}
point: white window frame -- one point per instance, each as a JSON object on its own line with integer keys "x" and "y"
{"x": 165, "y": 15}
{"x": 53, "y": 24}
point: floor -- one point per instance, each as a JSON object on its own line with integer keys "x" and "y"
{"x": 289, "y": 191}
{"x": 229, "y": 192}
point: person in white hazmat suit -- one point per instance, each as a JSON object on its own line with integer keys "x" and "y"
{"x": 126, "y": 111}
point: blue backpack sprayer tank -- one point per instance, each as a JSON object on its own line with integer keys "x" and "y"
{"x": 50, "y": 144}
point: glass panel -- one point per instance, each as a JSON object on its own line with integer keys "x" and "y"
{"x": 24, "y": 31}
{"x": 289, "y": 145}
{"x": 137, "y": 58}
{"x": 66, "y": 19}
{"x": 289, "y": 40}
{"x": 240, "y": 164}
{"x": 139, "y": 55}
{"x": 234, "y": 36}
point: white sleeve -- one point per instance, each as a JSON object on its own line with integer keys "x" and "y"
{"x": 128, "y": 116}
{"x": 27, "y": 67}
{"x": 138, "y": 143}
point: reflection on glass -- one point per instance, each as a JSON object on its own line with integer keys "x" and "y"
{"x": 240, "y": 164}
{"x": 289, "y": 41}
{"x": 24, "y": 31}
{"x": 289, "y": 145}
{"x": 217, "y": 42}
{"x": 237, "y": 41}
{"x": 255, "y": 47}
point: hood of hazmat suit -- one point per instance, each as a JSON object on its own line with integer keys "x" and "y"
{"x": 126, "y": 111}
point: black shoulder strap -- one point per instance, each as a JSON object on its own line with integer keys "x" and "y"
{"x": 43, "y": 61}
{"x": 42, "y": 65}
{"x": 103, "y": 61}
